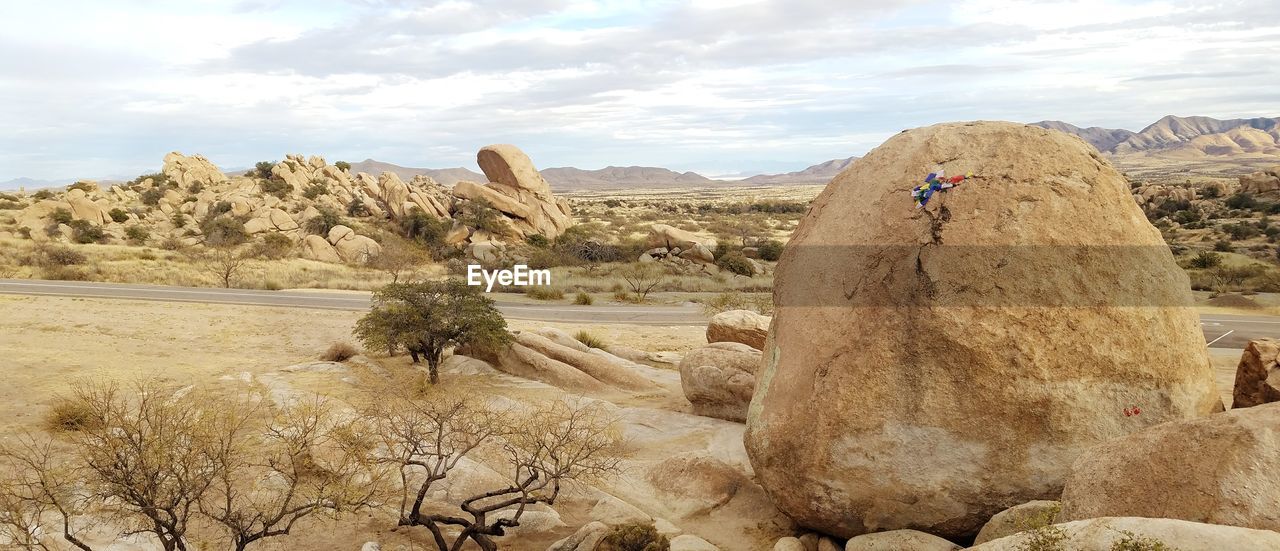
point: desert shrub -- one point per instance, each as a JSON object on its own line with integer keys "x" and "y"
{"x": 343, "y": 165}
{"x": 60, "y": 215}
{"x": 1241, "y": 230}
{"x": 479, "y": 214}
{"x": 770, "y": 250}
{"x": 136, "y": 233}
{"x": 424, "y": 228}
{"x": 8, "y": 197}
{"x": 323, "y": 222}
{"x": 263, "y": 169}
{"x": 158, "y": 179}
{"x": 7, "y": 204}
{"x": 1048, "y": 538}
{"x": 83, "y": 186}
{"x": 67, "y": 415}
{"x": 42, "y": 195}
{"x": 1189, "y": 216}
{"x": 224, "y": 231}
{"x": 1210, "y": 192}
{"x": 152, "y": 196}
{"x": 339, "y": 352}
{"x": 64, "y": 273}
{"x": 84, "y": 232}
{"x": 274, "y": 246}
{"x": 1223, "y": 246}
{"x": 737, "y": 264}
{"x": 119, "y": 215}
{"x": 583, "y": 299}
{"x": 172, "y": 243}
{"x": 589, "y": 339}
{"x": 58, "y": 256}
{"x": 278, "y": 188}
{"x": 218, "y": 209}
{"x": 195, "y": 187}
{"x": 357, "y": 208}
{"x": 178, "y": 219}
{"x": 1134, "y": 542}
{"x": 1241, "y": 201}
{"x": 634, "y": 537}
{"x": 315, "y": 189}
{"x": 544, "y": 293}
{"x": 538, "y": 240}
{"x": 1206, "y": 259}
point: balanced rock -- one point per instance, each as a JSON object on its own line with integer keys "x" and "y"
{"x": 507, "y": 165}
{"x": 191, "y": 170}
{"x": 1258, "y": 375}
{"x": 1102, "y": 534}
{"x": 931, "y": 367}
{"x": 1220, "y": 469}
{"x": 718, "y": 379}
{"x": 742, "y": 326}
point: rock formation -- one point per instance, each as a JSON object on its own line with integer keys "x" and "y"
{"x": 1105, "y": 533}
{"x": 930, "y": 367}
{"x": 517, "y": 190}
{"x": 718, "y": 379}
{"x": 1258, "y": 375}
{"x": 742, "y": 326}
{"x": 1263, "y": 181}
{"x": 1019, "y": 518}
{"x": 195, "y": 169}
{"x": 1220, "y": 469}
{"x": 899, "y": 540}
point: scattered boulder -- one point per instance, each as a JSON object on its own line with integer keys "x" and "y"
{"x": 1263, "y": 181}
{"x": 899, "y": 540}
{"x": 1104, "y": 533}
{"x": 695, "y": 483}
{"x": 613, "y": 511}
{"x": 1218, "y": 469}
{"x": 1258, "y": 374}
{"x": 586, "y": 538}
{"x": 1019, "y": 518}
{"x": 719, "y": 379}
{"x": 689, "y": 542}
{"x": 670, "y": 238}
{"x": 931, "y": 367}
{"x": 315, "y": 247}
{"x": 742, "y": 326}
{"x": 789, "y": 544}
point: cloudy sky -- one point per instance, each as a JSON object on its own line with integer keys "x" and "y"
{"x": 95, "y": 88}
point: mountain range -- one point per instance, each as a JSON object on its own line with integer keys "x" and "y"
{"x": 1184, "y": 137}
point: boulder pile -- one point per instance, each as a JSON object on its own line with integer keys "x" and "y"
{"x": 190, "y": 192}
{"x": 930, "y": 367}
{"x": 1262, "y": 181}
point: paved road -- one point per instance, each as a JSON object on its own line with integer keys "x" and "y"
{"x": 348, "y": 300}
{"x": 1220, "y": 330}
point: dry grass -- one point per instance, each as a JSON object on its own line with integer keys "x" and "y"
{"x": 590, "y": 339}
{"x": 67, "y": 415}
{"x": 339, "y": 352}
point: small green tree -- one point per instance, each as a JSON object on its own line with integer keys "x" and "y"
{"x": 322, "y": 223}
{"x": 263, "y": 169}
{"x": 60, "y": 215}
{"x": 84, "y": 232}
{"x": 343, "y": 166}
{"x": 480, "y": 215}
{"x": 427, "y": 317}
{"x": 119, "y": 215}
{"x": 770, "y": 250}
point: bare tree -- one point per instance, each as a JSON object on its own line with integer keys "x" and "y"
{"x": 226, "y": 263}
{"x": 37, "y": 485}
{"x": 553, "y": 446}
{"x": 304, "y": 462}
{"x": 398, "y": 258}
{"x": 642, "y": 278}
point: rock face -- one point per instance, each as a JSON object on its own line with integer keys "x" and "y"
{"x": 718, "y": 379}
{"x": 742, "y": 326}
{"x": 1103, "y": 533}
{"x": 928, "y": 368}
{"x": 1258, "y": 375}
{"x": 1220, "y": 469}
{"x": 191, "y": 170}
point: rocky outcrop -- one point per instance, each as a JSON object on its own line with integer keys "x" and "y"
{"x": 718, "y": 379}
{"x": 899, "y": 540}
{"x": 1263, "y": 181}
{"x": 83, "y": 208}
{"x": 599, "y": 368}
{"x": 930, "y": 367}
{"x": 1219, "y": 469}
{"x": 1019, "y": 518}
{"x": 1258, "y": 374}
{"x": 351, "y": 247}
{"x": 743, "y": 326}
{"x": 662, "y": 235}
{"x": 315, "y": 247}
{"x": 1105, "y": 533}
{"x": 195, "y": 169}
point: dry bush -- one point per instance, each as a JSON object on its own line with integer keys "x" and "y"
{"x": 544, "y": 293}
{"x": 589, "y": 339}
{"x": 339, "y": 352}
{"x": 583, "y": 299}
{"x": 68, "y": 415}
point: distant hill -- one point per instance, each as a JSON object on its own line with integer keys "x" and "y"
{"x": 1184, "y": 137}
{"x": 634, "y": 177}
{"x": 445, "y": 176}
{"x": 816, "y": 174}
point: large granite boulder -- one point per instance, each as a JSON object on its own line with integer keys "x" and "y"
{"x": 742, "y": 326}
{"x": 1258, "y": 374}
{"x": 718, "y": 379}
{"x": 1220, "y": 469}
{"x": 930, "y": 367}
{"x": 1102, "y": 534}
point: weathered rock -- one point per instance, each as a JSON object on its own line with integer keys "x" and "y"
{"x": 315, "y": 247}
{"x": 1263, "y": 181}
{"x": 340, "y": 232}
{"x": 789, "y": 544}
{"x": 690, "y": 542}
{"x": 496, "y": 199}
{"x": 1019, "y": 518}
{"x": 191, "y": 170}
{"x": 718, "y": 379}
{"x": 1258, "y": 374}
{"x": 1219, "y": 469}
{"x": 694, "y": 483}
{"x": 742, "y": 326}
{"x": 599, "y": 368}
{"x": 585, "y": 539}
{"x": 563, "y": 339}
{"x": 664, "y": 236}
{"x": 928, "y": 368}
{"x": 899, "y": 540}
{"x": 613, "y": 511}
{"x": 82, "y": 208}
{"x": 1101, "y": 534}
{"x": 358, "y": 249}
{"x": 508, "y": 165}
{"x": 522, "y": 361}
{"x": 828, "y": 544}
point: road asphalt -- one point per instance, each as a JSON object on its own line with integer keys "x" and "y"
{"x": 1220, "y": 330}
